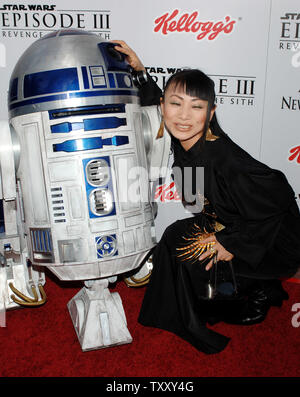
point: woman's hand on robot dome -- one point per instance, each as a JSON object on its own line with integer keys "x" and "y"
{"x": 220, "y": 251}
{"x": 132, "y": 58}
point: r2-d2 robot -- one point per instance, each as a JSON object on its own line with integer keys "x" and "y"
{"x": 83, "y": 172}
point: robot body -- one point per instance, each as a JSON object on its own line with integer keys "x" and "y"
{"x": 82, "y": 175}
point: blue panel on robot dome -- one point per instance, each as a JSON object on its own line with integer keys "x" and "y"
{"x": 114, "y": 60}
{"x": 124, "y": 80}
{"x": 51, "y": 81}
{"x": 97, "y": 76}
{"x": 60, "y": 97}
{"x": 85, "y": 77}
{"x": 13, "y": 90}
{"x": 111, "y": 80}
{"x": 103, "y": 123}
{"x": 49, "y": 98}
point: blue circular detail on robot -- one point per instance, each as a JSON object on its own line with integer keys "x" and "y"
{"x": 106, "y": 246}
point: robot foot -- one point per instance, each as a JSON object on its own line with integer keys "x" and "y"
{"x": 98, "y": 317}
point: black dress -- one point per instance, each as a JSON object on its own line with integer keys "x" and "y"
{"x": 261, "y": 221}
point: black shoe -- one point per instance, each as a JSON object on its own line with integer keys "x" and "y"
{"x": 217, "y": 310}
{"x": 265, "y": 293}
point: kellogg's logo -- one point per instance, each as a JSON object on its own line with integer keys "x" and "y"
{"x": 166, "y": 192}
{"x": 295, "y": 154}
{"x": 189, "y": 23}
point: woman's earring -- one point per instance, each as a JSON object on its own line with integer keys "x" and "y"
{"x": 160, "y": 132}
{"x": 210, "y": 136}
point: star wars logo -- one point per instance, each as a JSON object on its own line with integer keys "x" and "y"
{"x": 290, "y": 31}
{"x": 36, "y": 20}
{"x": 230, "y": 89}
{"x": 28, "y": 7}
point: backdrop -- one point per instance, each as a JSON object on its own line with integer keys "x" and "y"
{"x": 251, "y": 49}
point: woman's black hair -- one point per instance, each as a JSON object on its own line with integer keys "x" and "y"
{"x": 197, "y": 84}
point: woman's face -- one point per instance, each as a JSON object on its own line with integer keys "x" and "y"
{"x": 184, "y": 115}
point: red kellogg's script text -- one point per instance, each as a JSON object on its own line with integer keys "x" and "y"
{"x": 166, "y": 192}
{"x": 189, "y": 23}
{"x": 295, "y": 151}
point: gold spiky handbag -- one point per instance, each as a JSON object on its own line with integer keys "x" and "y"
{"x": 221, "y": 284}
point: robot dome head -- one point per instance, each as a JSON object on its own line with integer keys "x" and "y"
{"x": 66, "y": 69}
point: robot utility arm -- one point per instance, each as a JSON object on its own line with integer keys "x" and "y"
{"x": 157, "y": 153}
{"x": 13, "y": 265}
{"x": 157, "y": 149}
{"x": 8, "y": 180}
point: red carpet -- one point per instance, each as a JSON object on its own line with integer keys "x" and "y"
{"x": 41, "y": 342}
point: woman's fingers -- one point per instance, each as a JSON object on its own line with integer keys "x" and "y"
{"x": 215, "y": 248}
{"x": 209, "y": 265}
{"x": 122, "y": 47}
{"x": 132, "y": 58}
{"x": 207, "y": 253}
{"x": 121, "y": 43}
